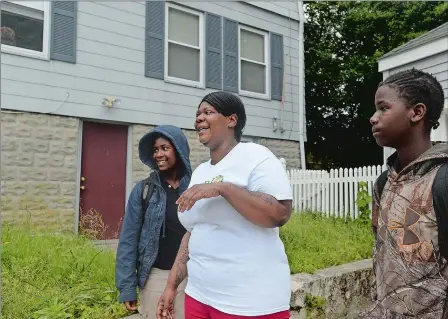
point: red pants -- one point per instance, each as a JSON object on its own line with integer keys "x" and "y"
{"x": 197, "y": 310}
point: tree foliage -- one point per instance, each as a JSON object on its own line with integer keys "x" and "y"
{"x": 343, "y": 41}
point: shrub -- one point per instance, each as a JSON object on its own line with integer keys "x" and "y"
{"x": 363, "y": 201}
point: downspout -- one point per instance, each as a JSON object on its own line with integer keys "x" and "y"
{"x": 301, "y": 85}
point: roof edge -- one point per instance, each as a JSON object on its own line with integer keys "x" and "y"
{"x": 425, "y": 38}
{"x": 418, "y": 53}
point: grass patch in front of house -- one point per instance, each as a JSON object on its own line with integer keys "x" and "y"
{"x": 314, "y": 241}
{"x": 62, "y": 276}
{"x": 56, "y": 276}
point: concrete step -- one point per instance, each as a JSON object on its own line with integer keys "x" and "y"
{"x": 106, "y": 244}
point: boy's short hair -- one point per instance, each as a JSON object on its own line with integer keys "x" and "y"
{"x": 416, "y": 86}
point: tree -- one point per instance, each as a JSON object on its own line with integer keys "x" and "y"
{"x": 343, "y": 41}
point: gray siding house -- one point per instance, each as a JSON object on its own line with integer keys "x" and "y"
{"x": 429, "y": 53}
{"x": 81, "y": 82}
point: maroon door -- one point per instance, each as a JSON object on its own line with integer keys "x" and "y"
{"x": 103, "y": 179}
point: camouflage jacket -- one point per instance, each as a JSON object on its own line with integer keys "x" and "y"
{"x": 410, "y": 274}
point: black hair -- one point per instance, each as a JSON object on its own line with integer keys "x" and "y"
{"x": 156, "y": 136}
{"x": 227, "y": 104}
{"x": 416, "y": 86}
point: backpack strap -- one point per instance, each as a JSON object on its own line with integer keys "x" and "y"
{"x": 381, "y": 182}
{"x": 147, "y": 190}
{"x": 440, "y": 202}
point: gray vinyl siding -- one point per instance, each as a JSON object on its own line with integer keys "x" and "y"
{"x": 287, "y": 9}
{"x": 110, "y": 62}
{"x": 437, "y": 65}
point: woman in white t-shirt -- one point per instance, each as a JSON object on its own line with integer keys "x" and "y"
{"x": 235, "y": 204}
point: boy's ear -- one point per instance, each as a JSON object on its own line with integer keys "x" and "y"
{"x": 232, "y": 120}
{"x": 418, "y": 112}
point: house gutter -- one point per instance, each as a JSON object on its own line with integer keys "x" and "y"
{"x": 301, "y": 85}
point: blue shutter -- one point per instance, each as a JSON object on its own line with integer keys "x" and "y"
{"x": 63, "y": 31}
{"x": 276, "y": 66}
{"x": 213, "y": 59}
{"x": 154, "y": 39}
{"x": 230, "y": 55}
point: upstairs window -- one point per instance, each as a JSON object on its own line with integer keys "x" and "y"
{"x": 253, "y": 53}
{"x": 184, "y": 45}
{"x": 25, "y": 28}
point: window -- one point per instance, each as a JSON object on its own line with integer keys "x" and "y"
{"x": 184, "y": 46}
{"x": 253, "y": 53}
{"x": 25, "y": 28}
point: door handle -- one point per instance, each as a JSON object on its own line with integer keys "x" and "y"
{"x": 83, "y": 187}
{"x": 83, "y": 179}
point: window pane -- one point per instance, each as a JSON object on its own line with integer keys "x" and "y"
{"x": 252, "y": 46}
{"x": 183, "y": 62}
{"x": 22, "y": 31}
{"x": 253, "y": 77}
{"x": 183, "y": 27}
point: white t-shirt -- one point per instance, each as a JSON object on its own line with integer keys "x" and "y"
{"x": 235, "y": 266}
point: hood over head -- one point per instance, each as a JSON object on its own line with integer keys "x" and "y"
{"x": 435, "y": 156}
{"x": 175, "y": 135}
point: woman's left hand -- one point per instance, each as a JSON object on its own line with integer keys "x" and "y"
{"x": 195, "y": 193}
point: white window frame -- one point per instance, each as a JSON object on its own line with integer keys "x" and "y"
{"x": 27, "y": 11}
{"x": 266, "y": 64}
{"x": 175, "y": 80}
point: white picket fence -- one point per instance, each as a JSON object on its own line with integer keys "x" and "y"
{"x": 333, "y": 193}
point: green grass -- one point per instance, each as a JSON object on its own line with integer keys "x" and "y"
{"x": 48, "y": 276}
{"x": 313, "y": 242}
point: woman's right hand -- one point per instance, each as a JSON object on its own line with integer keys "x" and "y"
{"x": 165, "y": 307}
{"x": 131, "y": 305}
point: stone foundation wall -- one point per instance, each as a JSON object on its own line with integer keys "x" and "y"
{"x": 289, "y": 150}
{"x": 38, "y": 169}
{"x": 340, "y": 292}
{"x": 139, "y": 170}
{"x": 199, "y": 153}
{"x": 39, "y": 158}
